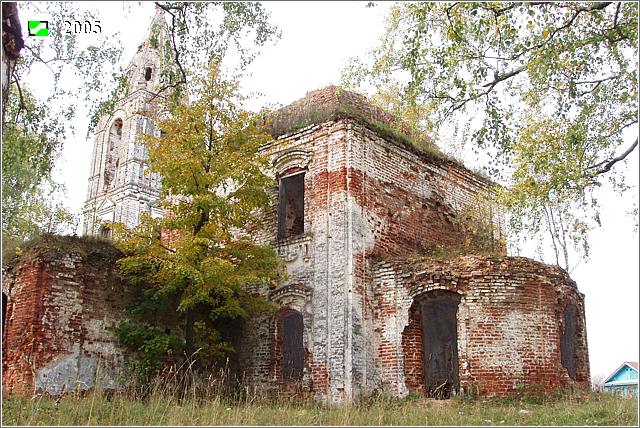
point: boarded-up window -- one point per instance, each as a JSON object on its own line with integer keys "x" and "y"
{"x": 567, "y": 341}
{"x": 440, "y": 343}
{"x": 291, "y": 206}
{"x": 292, "y": 346}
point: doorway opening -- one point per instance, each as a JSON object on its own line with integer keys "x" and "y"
{"x": 292, "y": 326}
{"x": 440, "y": 343}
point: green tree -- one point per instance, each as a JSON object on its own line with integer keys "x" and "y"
{"x": 89, "y": 61}
{"x": 554, "y": 85}
{"x": 228, "y": 34}
{"x": 31, "y": 200}
{"x": 198, "y": 266}
{"x": 198, "y": 34}
{"x": 35, "y": 125}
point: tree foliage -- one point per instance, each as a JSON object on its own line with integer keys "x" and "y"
{"x": 196, "y": 267}
{"x": 205, "y": 33}
{"x": 88, "y": 60}
{"x": 37, "y": 124}
{"x": 198, "y": 34}
{"x": 554, "y": 85}
{"x": 31, "y": 205}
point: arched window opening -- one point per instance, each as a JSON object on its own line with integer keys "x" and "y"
{"x": 440, "y": 343}
{"x": 113, "y": 149}
{"x": 291, "y": 205}
{"x": 291, "y": 328}
{"x": 568, "y": 340}
{"x": 147, "y": 73}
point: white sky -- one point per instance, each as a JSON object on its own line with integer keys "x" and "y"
{"x": 317, "y": 39}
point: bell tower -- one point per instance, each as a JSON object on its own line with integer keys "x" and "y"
{"x": 120, "y": 186}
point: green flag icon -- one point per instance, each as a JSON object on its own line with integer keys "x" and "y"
{"x": 39, "y": 28}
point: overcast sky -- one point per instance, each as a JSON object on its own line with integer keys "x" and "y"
{"x": 317, "y": 39}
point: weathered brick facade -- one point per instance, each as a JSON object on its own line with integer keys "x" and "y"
{"x": 369, "y": 196}
{"x": 62, "y": 297}
{"x": 510, "y": 322}
{"x": 371, "y": 204}
{"x": 358, "y": 207}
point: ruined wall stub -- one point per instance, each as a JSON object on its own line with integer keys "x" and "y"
{"x": 60, "y": 306}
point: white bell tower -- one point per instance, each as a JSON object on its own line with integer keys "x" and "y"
{"x": 120, "y": 187}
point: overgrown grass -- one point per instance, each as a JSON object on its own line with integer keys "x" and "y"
{"x": 96, "y": 408}
{"x": 50, "y": 246}
{"x": 351, "y": 105}
{"x": 416, "y": 143}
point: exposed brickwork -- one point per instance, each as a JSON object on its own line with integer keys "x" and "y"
{"x": 412, "y": 349}
{"x": 509, "y": 322}
{"x": 319, "y": 104}
{"x": 60, "y": 305}
{"x": 368, "y": 197}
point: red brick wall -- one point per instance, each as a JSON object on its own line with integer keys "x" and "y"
{"x": 411, "y": 201}
{"x": 412, "y": 349}
{"x": 364, "y": 196}
{"x": 510, "y": 320}
{"x": 60, "y": 304}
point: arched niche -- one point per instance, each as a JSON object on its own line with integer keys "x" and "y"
{"x": 568, "y": 339}
{"x": 114, "y": 142}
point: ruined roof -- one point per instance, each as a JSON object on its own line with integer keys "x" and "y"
{"x": 330, "y": 98}
{"x": 469, "y": 263}
{"x": 48, "y": 246}
{"x": 333, "y": 102}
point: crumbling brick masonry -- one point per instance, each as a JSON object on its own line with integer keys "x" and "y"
{"x": 358, "y": 210}
{"x": 368, "y": 195}
{"x": 62, "y": 296}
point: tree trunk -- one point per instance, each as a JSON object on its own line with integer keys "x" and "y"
{"x": 12, "y": 43}
{"x": 186, "y": 374}
{"x": 188, "y": 335}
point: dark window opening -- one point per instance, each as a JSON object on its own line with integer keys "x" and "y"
{"x": 567, "y": 341}
{"x": 147, "y": 73}
{"x": 291, "y": 206}
{"x": 105, "y": 232}
{"x": 292, "y": 346}
{"x": 440, "y": 343}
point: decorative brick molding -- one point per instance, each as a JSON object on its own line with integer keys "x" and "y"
{"x": 290, "y": 159}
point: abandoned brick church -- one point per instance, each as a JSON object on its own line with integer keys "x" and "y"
{"x": 362, "y": 309}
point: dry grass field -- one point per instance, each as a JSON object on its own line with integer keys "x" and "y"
{"x": 96, "y": 408}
